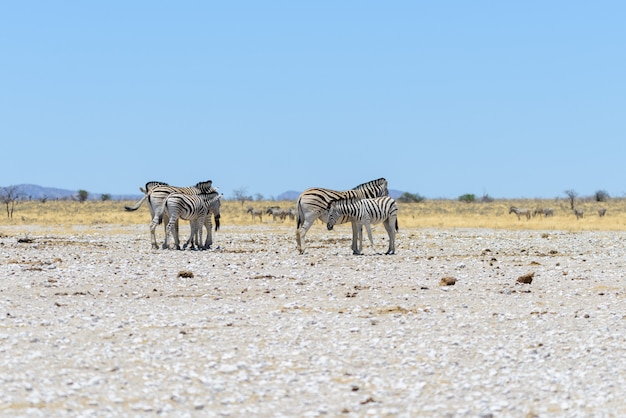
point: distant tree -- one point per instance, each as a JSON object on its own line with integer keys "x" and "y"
{"x": 82, "y": 195}
{"x": 467, "y": 198}
{"x": 43, "y": 199}
{"x": 258, "y": 197}
{"x": 571, "y": 195}
{"x": 602, "y": 196}
{"x": 407, "y": 197}
{"x": 240, "y": 195}
{"x": 9, "y": 196}
{"x": 105, "y": 196}
{"x": 486, "y": 198}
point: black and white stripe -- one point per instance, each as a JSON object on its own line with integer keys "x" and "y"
{"x": 157, "y": 192}
{"x": 367, "y": 212}
{"x": 313, "y": 204}
{"x": 194, "y": 208}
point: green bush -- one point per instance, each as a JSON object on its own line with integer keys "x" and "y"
{"x": 467, "y": 198}
{"x": 411, "y": 198}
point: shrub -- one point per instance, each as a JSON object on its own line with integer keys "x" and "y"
{"x": 467, "y": 198}
{"x": 411, "y": 198}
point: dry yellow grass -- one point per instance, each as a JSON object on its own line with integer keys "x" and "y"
{"x": 427, "y": 214}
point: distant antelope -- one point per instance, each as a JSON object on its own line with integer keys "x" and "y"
{"x": 255, "y": 213}
{"x": 601, "y": 212}
{"x": 579, "y": 213}
{"x": 520, "y": 212}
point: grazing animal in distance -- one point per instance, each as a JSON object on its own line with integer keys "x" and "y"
{"x": 601, "y": 212}
{"x": 256, "y": 213}
{"x": 579, "y": 213}
{"x": 520, "y": 212}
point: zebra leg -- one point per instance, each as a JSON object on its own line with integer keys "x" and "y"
{"x": 355, "y": 236}
{"x": 301, "y": 232}
{"x": 391, "y": 231}
{"x": 173, "y": 229}
{"x": 153, "y": 226}
{"x": 209, "y": 235}
{"x": 369, "y": 235}
{"x": 199, "y": 225}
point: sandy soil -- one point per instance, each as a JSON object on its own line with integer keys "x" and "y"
{"x": 99, "y": 324}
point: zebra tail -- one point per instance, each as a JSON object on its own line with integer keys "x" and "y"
{"x": 137, "y": 205}
{"x": 397, "y": 225}
{"x": 217, "y": 221}
{"x": 299, "y": 215}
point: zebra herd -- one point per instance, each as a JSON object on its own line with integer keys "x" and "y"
{"x": 366, "y": 204}
{"x": 526, "y": 213}
{"x": 168, "y": 204}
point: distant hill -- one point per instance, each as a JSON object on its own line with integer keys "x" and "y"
{"x": 293, "y": 195}
{"x": 35, "y": 192}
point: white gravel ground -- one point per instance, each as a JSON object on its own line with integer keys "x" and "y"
{"x": 102, "y": 325}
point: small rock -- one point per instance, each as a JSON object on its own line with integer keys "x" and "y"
{"x": 447, "y": 281}
{"x": 526, "y": 278}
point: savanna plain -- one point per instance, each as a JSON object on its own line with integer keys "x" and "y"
{"x": 478, "y": 314}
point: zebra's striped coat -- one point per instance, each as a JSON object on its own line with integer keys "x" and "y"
{"x": 367, "y": 212}
{"x": 192, "y": 207}
{"x": 313, "y": 204}
{"x": 155, "y": 195}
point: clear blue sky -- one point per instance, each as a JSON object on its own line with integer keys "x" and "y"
{"x": 509, "y": 98}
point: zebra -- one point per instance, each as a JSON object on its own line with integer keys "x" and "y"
{"x": 313, "y": 204}
{"x": 256, "y": 213}
{"x": 579, "y": 213}
{"x": 548, "y": 212}
{"x": 212, "y": 203}
{"x": 276, "y": 212}
{"x": 367, "y": 212}
{"x": 520, "y": 212}
{"x": 157, "y": 192}
{"x": 601, "y": 212}
{"x": 191, "y": 207}
{"x": 538, "y": 211}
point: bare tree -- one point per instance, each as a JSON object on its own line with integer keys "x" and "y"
{"x": 240, "y": 195}
{"x": 571, "y": 194}
{"x": 9, "y": 196}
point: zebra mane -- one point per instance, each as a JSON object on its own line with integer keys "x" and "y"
{"x": 377, "y": 182}
{"x": 152, "y": 184}
{"x": 342, "y": 201}
{"x": 204, "y": 184}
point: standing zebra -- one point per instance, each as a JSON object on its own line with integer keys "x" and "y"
{"x": 520, "y": 212}
{"x": 579, "y": 213}
{"x": 367, "y": 212}
{"x": 313, "y": 204}
{"x": 191, "y": 207}
{"x": 156, "y": 193}
{"x": 255, "y": 213}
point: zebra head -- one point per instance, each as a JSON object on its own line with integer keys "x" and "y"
{"x": 333, "y": 215}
